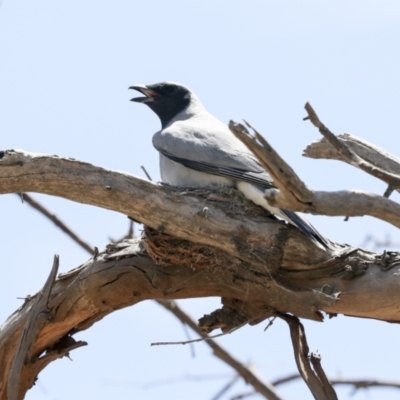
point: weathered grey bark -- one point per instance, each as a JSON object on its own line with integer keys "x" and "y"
{"x": 352, "y": 157}
{"x": 126, "y": 275}
{"x": 309, "y": 365}
{"x": 198, "y": 243}
{"x": 371, "y": 153}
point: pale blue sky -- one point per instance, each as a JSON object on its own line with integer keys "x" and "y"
{"x": 64, "y": 72}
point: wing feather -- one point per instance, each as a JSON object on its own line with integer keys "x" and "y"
{"x": 205, "y": 144}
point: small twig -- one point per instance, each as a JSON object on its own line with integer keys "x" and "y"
{"x": 131, "y": 230}
{"x": 202, "y": 339}
{"x": 187, "y": 333}
{"x": 365, "y": 383}
{"x": 388, "y": 191}
{"x": 38, "y": 316}
{"x": 147, "y": 174}
{"x": 226, "y": 387}
{"x": 379, "y": 243}
{"x": 128, "y": 235}
{"x": 357, "y": 384}
{"x": 37, "y": 206}
{"x": 243, "y": 395}
{"x": 264, "y": 388}
{"x": 270, "y": 322}
{"x": 318, "y": 384}
{"x": 286, "y": 379}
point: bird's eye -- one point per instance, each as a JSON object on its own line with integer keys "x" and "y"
{"x": 168, "y": 89}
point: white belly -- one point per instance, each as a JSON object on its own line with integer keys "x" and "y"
{"x": 177, "y": 175}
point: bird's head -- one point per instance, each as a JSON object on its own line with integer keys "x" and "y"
{"x": 166, "y": 99}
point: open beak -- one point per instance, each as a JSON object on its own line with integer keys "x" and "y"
{"x": 149, "y": 94}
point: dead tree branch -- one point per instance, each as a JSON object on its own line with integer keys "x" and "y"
{"x": 294, "y": 195}
{"x": 35, "y": 322}
{"x": 283, "y": 175}
{"x": 262, "y": 387}
{"x": 122, "y": 276}
{"x": 27, "y": 363}
{"x": 351, "y": 157}
{"x": 258, "y": 266}
{"x": 156, "y": 206}
{"x": 372, "y": 154}
{"x": 315, "y": 377}
{"x": 125, "y": 274}
{"x": 287, "y": 259}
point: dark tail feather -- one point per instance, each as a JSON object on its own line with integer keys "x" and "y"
{"x": 307, "y": 228}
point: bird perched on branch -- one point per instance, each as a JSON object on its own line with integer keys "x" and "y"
{"x": 198, "y": 150}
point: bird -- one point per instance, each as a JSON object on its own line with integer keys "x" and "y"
{"x": 198, "y": 150}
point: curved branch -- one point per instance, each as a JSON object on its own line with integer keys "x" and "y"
{"x": 314, "y": 376}
{"x": 125, "y": 275}
{"x": 176, "y": 212}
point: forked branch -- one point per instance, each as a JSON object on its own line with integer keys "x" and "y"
{"x": 296, "y": 196}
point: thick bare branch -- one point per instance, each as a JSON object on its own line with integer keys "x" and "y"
{"x": 125, "y": 275}
{"x": 179, "y": 213}
{"x": 353, "y": 203}
{"x": 270, "y": 247}
{"x": 260, "y": 267}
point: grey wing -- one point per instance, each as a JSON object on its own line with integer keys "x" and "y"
{"x": 209, "y": 146}
{"x": 260, "y": 179}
